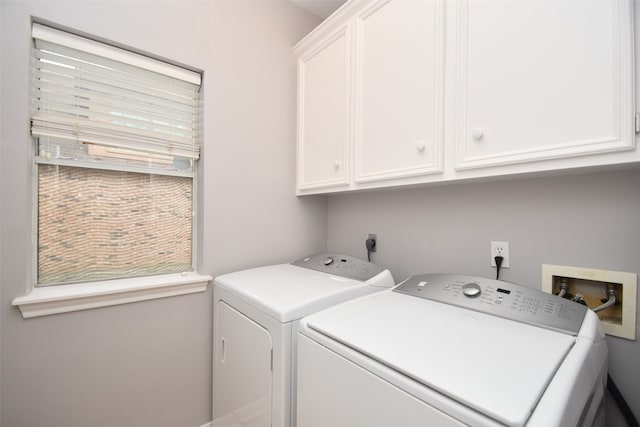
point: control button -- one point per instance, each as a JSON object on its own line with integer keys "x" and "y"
{"x": 471, "y": 289}
{"x": 328, "y": 261}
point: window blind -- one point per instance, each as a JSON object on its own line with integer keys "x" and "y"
{"x": 96, "y": 94}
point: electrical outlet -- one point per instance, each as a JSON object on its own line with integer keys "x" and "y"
{"x": 375, "y": 242}
{"x": 500, "y": 249}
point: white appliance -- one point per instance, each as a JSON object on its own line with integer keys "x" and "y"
{"x": 452, "y": 350}
{"x": 256, "y": 313}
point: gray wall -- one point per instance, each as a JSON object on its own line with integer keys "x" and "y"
{"x": 1, "y": 234}
{"x": 590, "y": 220}
{"x": 149, "y": 363}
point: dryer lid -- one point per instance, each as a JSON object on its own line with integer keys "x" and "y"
{"x": 287, "y": 292}
{"x": 496, "y": 366}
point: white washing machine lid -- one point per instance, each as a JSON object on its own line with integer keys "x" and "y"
{"x": 287, "y": 292}
{"x": 496, "y": 366}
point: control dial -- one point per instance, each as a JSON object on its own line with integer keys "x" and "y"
{"x": 471, "y": 289}
{"x": 328, "y": 261}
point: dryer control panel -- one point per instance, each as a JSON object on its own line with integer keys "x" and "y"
{"x": 340, "y": 265}
{"x": 498, "y": 298}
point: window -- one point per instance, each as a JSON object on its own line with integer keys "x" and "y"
{"x": 117, "y": 145}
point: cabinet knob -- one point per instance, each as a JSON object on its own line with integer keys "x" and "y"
{"x": 421, "y": 145}
{"x": 336, "y": 164}
{"x": 477, "y": 134}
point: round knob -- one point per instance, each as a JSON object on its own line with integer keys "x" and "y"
{"x": 421, "y": 145}
{"x": 336, "y": 164}
{"x": 328, "y": 261}
{"x": 477, "y": 134}
{"x": 471, "y": 289}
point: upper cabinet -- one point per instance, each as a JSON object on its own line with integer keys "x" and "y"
{"x": 402, "y": 92}
{"x": 323, "y": 105}
{"x": 542, "y": 80}
{"x": 399, "y": 89}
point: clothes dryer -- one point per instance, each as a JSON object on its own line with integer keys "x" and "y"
{"x": 256, "y": 314}
{"x": 452, "y": 350}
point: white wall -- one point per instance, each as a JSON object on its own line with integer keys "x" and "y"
{"x": 149, "y": 363}
{"x": 590, "y": 220}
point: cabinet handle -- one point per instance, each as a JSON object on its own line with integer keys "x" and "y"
{"x": 477, "y": 134}
{"x": 223, "y": 350}
{"x": 421, "y": 145}
{"x": 336, "y": 164}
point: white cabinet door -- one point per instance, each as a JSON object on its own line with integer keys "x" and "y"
{"x": 399, "y": 89}
{"x": 322, "y": 114}
{"x": 542, "y": 80}
{"x": 242, "y": 384}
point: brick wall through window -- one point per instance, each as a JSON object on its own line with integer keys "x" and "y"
{"x": 97, "y": 224}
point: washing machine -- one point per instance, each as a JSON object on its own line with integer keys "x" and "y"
{"x": 256, "y": 314}
{"x": 452, "y": 350}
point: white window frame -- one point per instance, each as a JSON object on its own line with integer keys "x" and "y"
{"x": 47, "y": 300}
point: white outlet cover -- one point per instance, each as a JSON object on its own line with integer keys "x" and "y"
{"x": 505, "y": 253}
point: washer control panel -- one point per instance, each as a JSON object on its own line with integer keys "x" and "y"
{"x": 498, "y": 298}
{"x": 340, "y": 265}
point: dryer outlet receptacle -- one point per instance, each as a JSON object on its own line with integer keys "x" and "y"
{"x": 372, "y": 242}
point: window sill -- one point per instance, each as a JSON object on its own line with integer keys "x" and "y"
{"x": 43, "y": 301}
